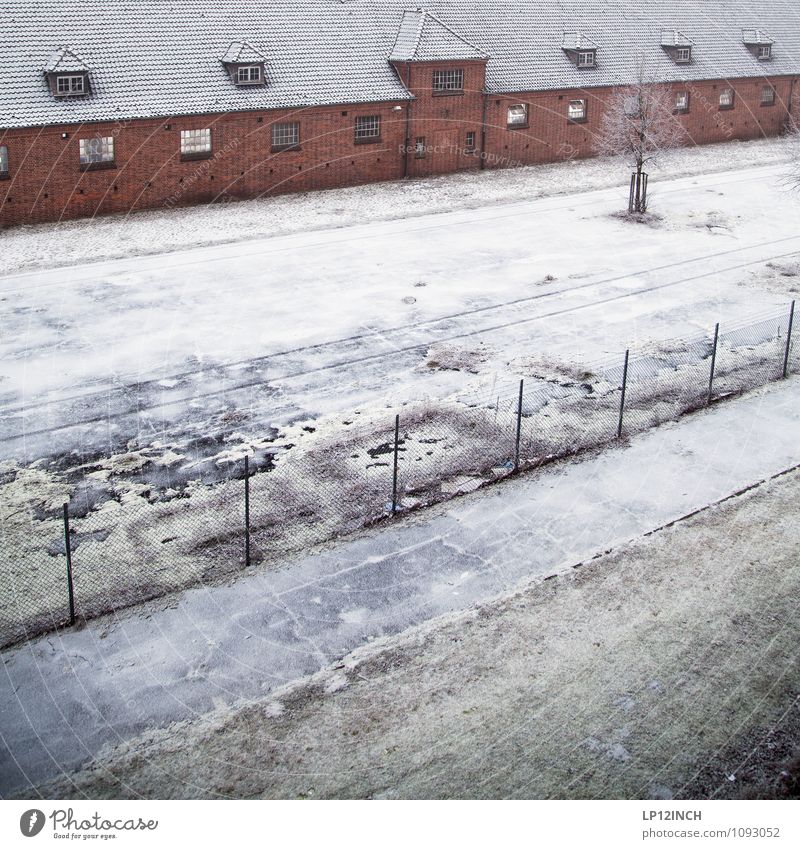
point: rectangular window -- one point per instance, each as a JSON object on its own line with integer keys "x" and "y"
{"x": 419, "y": 147}
{"x": 447, "y": 81}
{"x": 470, "y": 142}
{"x": 195, "y": 144}
{"x": 586, "y": 59}
{"x": 682, "y": 101}
{"x": 248, "y": 74}
{"x": 97, "y": 151}
{"x": 3, "y": 161}
{"x": 767, "y": 96}
{"x": 726, "y": 98}
{"x": 683, "y": 55}
{"x": 368, "y": 128}
{"x": 631, "y": 106}
{"x": 765, "y": 51}
{"x": 577, "y": 110}
{"x": 70, "y": 85}
{"x": 518, "y": 115}
{"x": 285, "y": 136}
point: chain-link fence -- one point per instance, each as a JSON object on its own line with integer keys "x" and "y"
{"x": 61, "y": 563}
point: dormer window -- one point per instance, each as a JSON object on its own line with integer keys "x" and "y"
{"x": 678, "y": 45}
{"x": 580, "y": 50}
{"x": 758, "y": 43}
{"x": 67, "y": 74}
{"x": 244, "y": 64}
{"x": 248, "y": 75}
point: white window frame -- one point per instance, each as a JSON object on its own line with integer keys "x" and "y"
{"x": 367, "y": 128}
{"x": 764, "y": 52}
{"x": 683, "y": 55}
{"x": 768, "y": 95}
{"x": 726, "y": 98}
{"x": 448, "y": 80}
{"x": 587, "y": 58}
{"x": 3, "y": 160}
{"x": 245, "y": 74}
{"x": 286, "y": 135}
{"x": 471, "y": 135}
{"x": 682, "y": 101}
{"x": 98, "y": 150}
{"x": 196, "y": 142}
{"x": 574, "y": 116}
{"x": 517, "y": 115}
{"x": 74, "y": 85}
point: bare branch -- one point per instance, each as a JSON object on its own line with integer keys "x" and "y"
{"x": 639, "y": 122}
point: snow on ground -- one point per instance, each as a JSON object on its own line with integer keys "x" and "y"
{"x": 157, "y": 231}
{"x": 628, "y": 677}
{"x": 194, "y": 350}
{"x": 69, "y": 694}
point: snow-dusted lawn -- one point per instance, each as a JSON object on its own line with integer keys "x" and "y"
{"x": 75, "y": 242}
{"x": 231, "y": 339}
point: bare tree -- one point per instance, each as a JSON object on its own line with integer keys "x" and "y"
{"x": 640, "y": 124}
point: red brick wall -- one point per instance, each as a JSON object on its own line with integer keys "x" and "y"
{"x": 550, "y": 136}
{"x": 443, "y": 120}
{"x": 46, "y": 183}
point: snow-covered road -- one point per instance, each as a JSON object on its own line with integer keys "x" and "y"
{"x": 165, "y": 348}
{"x": 64, "y": 696}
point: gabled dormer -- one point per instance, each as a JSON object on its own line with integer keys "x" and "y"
{"x": 677, "y": 45}
{"x": 580, "y": 50}
{"x": 244, "y": 64}
{"x": 422, "y": 37}
{"x": 67, "y": 74}
{"x": 758, "y": 43}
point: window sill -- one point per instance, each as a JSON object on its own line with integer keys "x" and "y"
{"x": 194, "y": 157}
{"x": 285, "y": 148}
{"x": 97, "y": 166}
{"x": 767, "y": 105}
{"x": 4, "y": 175}
{"x": 517, "y": 126}
{"x": 576, "y": 120}
{"x": 680, "y": 111}
{"x": 725, "y": 108}
{"x": 459, "y": 93}
{"x": 375, "y": 140}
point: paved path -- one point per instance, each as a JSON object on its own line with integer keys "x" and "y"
{"x": 63, "y": 697}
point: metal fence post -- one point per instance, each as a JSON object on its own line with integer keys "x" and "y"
{"x": 394, "y": 472}
{"x": 622, "y": 397}
{"x": 67, "y": 546}
{"x": 788, "y": 342}
{"x": 713, "y": 364}
{"x": 247, "y": 511}
{"x": 519, "y": 427}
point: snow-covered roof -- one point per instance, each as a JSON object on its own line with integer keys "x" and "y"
{"x": 242, "y": 52}
{"x": 157, "y": 58}
{"x": 755, "y": 36}
{"x": 578, "y": 41}
{"x": 65, "y": 61}
{"x": 675, "y": 38}
{"x": 422, "y": 37}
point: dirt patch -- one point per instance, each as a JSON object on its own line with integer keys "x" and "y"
{"x": 640, "y": 674}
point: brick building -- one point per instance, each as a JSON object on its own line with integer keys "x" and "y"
{"x": 116, "y": 106}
